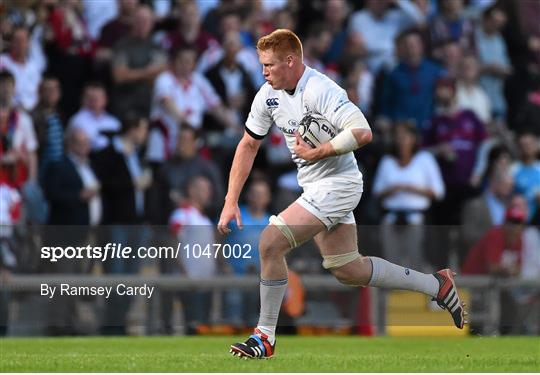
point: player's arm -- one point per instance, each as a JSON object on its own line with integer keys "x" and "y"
{"x": 356, "y": 133}
{"x": 241, "y": 167}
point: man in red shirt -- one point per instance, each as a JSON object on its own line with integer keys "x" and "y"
{"x": 499, "y": 250}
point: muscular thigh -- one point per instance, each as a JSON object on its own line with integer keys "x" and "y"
{"x": 341, "y": 239}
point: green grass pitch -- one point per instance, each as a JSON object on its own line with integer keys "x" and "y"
{"x": 294, "y": 354}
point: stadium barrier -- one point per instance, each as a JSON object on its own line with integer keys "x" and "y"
{"x": 489, "y": 287}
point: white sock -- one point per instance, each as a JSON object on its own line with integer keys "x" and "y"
{"x": 272, "y": 293}
{"x": 389, "y": 275}
{"x": 270, "y": 332}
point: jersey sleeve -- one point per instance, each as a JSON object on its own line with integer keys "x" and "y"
{"x": 331, "y": 101}
{"x": 259, "y": 119}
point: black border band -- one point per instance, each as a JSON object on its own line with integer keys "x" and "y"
{"x": 254, "y": 135}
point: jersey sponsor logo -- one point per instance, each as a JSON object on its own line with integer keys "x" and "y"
{"x": 286, "y": 130}
{"x": 293, "y": 125}
{"x": 272, "y": 102}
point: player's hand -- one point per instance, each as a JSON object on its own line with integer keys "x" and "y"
{"x": 305, "y": 151}
{"x": 230, "y": 211}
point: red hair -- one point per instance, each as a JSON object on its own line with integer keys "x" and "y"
{"x": 282, "y": 41}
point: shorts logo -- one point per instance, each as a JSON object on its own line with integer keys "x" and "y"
{"x": 272, "y": 102}
{"x": 407, "y": 272}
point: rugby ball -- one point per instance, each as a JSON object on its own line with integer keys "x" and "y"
{"x": 316, "y": 130}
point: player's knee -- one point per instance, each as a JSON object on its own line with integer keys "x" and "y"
{"x": 271, "y": 245}
{"x": 355, "y": 273}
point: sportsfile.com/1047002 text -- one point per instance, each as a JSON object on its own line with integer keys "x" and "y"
{"x": 118, "y": 251}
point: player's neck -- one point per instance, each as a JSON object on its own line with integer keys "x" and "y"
{"x": 296, "y": 78}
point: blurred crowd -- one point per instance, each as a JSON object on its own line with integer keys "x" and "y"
{"x": 123, "y": 113}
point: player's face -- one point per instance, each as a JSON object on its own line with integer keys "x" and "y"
{"x": 276, "y": 69}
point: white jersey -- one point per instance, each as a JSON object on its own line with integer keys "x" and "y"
{"x": 314, "y": 94}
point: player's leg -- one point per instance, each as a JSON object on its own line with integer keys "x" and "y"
{"x": 338, "y": 247}
{"x": 292, "y": 227}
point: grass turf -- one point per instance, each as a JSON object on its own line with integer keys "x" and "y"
{"x": 294, "y": 354}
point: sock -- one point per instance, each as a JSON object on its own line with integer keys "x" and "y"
{"x": 389, "y": 275}
{"x": 272, "y": 292}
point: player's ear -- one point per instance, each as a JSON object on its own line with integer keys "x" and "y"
{"x": 290, "y": 60}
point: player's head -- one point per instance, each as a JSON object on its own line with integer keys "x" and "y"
{"x": 280, "y": 54}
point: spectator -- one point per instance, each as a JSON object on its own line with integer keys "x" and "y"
{"x": 175, "y": 173}
{"x": 68, "y": 44}
{"x": 499, "y": 251}
{"x": 494, "y": 61}
{"x": 360, "y": 81}
{"x": 73, "y": 193}
{"x": 10, "y": 214}
{"x": 482, "y": 213}
{"x": 406, "y": 182}
{"x": 124, "y": 183}
{"x": 71, "y": 186}
{"x": 93, "y": 118}
{"x": 335, "y": 14}
{"x": 18, "y": 143}
{"x": 181, "y": 97}
{"x": 26, "y": 71}
{"x": 526, "y": 173}
{"x": 470, "y": 94}
{"x": 97, "y": 14}
{"x": 522, "y": 36}
{"x": 454, "y": 136}
{"x": 246, "y": 57}
{"x": 123, "y": 178}
{"x": 452, "y": 54}
{"x": 450, "y": 24}
{"x": 378, "y": 25}
{"x": 241, "y": 307}
{"x": 528, "y": 116}
{"x": 137, "y": 61}
{"x": 408, "y": 89}
{"x": 530, "y": 268}
{"x": 193, "y": 229}
{"x": 117, "y": 28}
{"x": 189, "y": 32}
{"x": 48, "y": 124}
{"x": 315, "y": 45}
{"x": 231, "y": 81}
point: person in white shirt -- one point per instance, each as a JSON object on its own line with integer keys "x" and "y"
{"x": 94, "y": 119}
{"x": 378, "y": 25}
{"x": 18, "y": 141}
{"x": 181, "y": 95}
{"x": 469, "y": 93}
{"x": 27, "y": 72}
{"x": 195, "y": 231}
{"x": 406, "y": 182}
{"x": 332, "y": 185}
